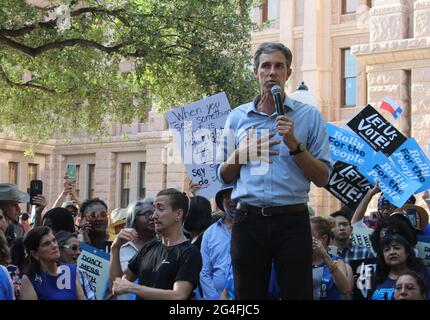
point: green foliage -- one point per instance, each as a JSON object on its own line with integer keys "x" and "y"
{"x": 182, "y": 50}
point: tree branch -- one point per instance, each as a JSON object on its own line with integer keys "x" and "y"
{"x": 10, "y": 83}
{"x": 33, "y": 52}
{"x": 52, "y": 23}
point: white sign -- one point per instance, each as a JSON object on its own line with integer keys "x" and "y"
{"x": 95, "y": 263}
{"x": 197, "y": 128}
{"x": 361, "y": 237}
{"x": 423, "y": 248}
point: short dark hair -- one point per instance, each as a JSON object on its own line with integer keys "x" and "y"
{"x": 270, "y": 47}
{"x": 199, "y": 215}
{"x": 178, "y": 200}
{"x": 88, "y": 202}
{"x": 32, "y": 242}
{"x": 341, "y": 213}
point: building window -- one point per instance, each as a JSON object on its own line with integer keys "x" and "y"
{"x": 349, "y": 6}
{"x": 349, "y": 79}
{"x": 77, "y": 183}
{"x": 13, "y": 172}
{"x": 142, "y": 190}
{"x": 264, "y": 11}
{"x": 91, "y": 180}
{"x": 125, "y": 184}
{"x": 32, "y": 172}
{"x": 269, "y": 10}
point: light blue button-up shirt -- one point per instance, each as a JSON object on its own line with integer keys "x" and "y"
{"x": 216, "y": 261}
{"x": 282, "y": 182}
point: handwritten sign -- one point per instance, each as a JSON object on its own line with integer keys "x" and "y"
{"x": 423, "y": 248}
{"x": 396, "y": 187}
{"x": 361, "y": 237}
{"x": 412, "y": 162}
{"x": 95, "y": 263}
{"x": 373, "y": 128}
{"x": 347, "y": 184}
{"x": 347, "y": 146}
{"x": 197, "y": 128}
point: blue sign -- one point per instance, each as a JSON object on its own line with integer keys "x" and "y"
{"x": 396, "y": 187}
{"x": 412, "y": 162}
{"x": 347, "y": 146}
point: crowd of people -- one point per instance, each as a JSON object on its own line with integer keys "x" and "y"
{"x": 261, "y": 243}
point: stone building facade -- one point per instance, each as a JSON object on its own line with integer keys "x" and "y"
{"x": 348, "y": 52}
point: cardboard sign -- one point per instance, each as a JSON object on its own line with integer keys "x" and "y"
{"x": 197, "y": 128}
{"x": 363, "y": 270}
{"x": 413, "y": 163}
{"x": 423, "y": 248}
{"x": 95, "y": 263}
{"x": 396, "y": 187}
{"x": 347, "y": 184}
{"x": 361, "y": 236}
{"x": 373, "y": 128}
{"x": 347, "y": 147}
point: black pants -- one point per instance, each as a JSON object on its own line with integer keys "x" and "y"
{"x": 257, "y": 240}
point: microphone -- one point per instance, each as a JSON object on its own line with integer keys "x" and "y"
{"x": 276, "y": 92}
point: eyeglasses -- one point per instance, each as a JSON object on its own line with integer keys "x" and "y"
{"x": 94, "y": 214}
{"x": 74, "y": 247}
{"x": 146, "y": 213}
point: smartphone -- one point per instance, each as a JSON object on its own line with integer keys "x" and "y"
{"x": 411, "y": 214}
{"x": 36, "y": 188}
{"x": 71, "y": 171}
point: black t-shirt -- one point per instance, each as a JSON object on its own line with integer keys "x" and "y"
{"x": 158, "y": 266}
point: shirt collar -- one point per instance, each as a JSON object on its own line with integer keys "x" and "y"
{"x": 289, "y": 104}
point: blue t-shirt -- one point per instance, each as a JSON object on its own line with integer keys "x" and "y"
{"x": 384, "y": 290}
{"x": 59, "y": 287}
{"x": 6, "y": 290}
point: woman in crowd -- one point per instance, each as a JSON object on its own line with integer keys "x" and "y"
{"x": 44, "y": 278}
{"x": 70, "y": 250}
{"x": 396, "y": 256}
{"x": 6, "y": 286}
{"x": 410, "y": 286}
{"x": 332, "y": 278}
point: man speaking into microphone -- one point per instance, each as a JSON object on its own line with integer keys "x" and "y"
{"x": 272, "y": 220}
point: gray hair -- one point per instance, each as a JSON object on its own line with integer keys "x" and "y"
{"x": 270, "y": 47}
{"x": 133, "y": 208}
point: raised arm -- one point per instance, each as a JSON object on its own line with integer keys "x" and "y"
{"x": 364, "y": 203}
{"x": 115, "y": 270}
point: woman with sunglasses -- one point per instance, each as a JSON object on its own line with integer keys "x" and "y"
{"x": 44, "y": 277}
{"x": 70, "y": 250}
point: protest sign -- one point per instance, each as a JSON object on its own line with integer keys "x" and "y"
{"x": 361, "y": 236}
{"x": 347, "y": 184}
{"x": 423, "y": 248}
{"x": 396, "y": 187}
{"x": 347, "y": 146}
{"x": 95, "y": 263}
{"x": 197, "y": 128}
{"x": 373, "y": 128}
{"x": 363, "y": 271}
{"x": 413, "y": 163}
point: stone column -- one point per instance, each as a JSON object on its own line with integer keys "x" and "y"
{"x": 105, "y": 176}
{"x": 389, "y": 20}
{"x": 421, "y": 18}
{"x": 286, "y": 23}
{"x": 316, "y": 66}
{"x": 421, "y": 106}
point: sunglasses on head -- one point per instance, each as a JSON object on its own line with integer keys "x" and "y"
{"x": 74, "y": 247}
